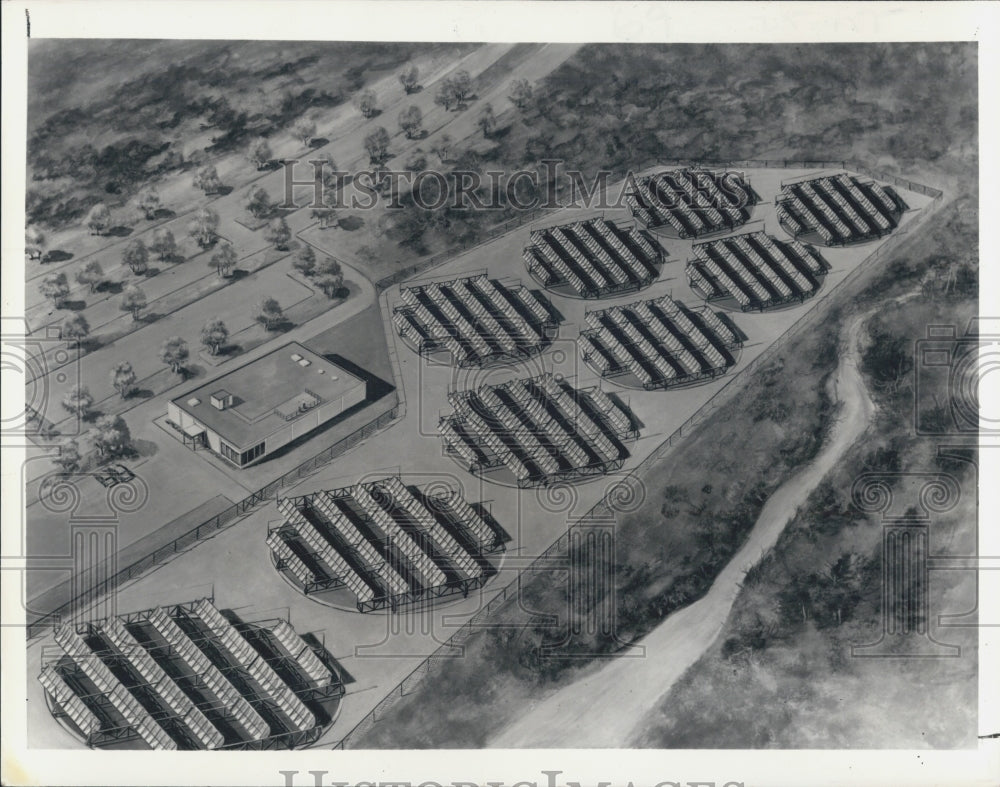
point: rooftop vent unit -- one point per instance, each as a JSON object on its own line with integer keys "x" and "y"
{"x": 194, "y": 401}
{"x": 221, "y": 400}
{"x": 296, "y": 357}
{"x": 304, "y": 362}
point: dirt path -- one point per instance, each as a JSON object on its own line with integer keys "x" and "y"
{"x": 606, "y": 708}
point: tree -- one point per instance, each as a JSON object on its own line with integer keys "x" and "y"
{"x": 224, "y": 259}
{"x": 462, "y": 83}
{"x": 99, "y": 219}
{"x": 797, "y": 598}
{"x": 377, "y": 145}
{"x": 136, "y": 257}
{"x": 366, "y": 103}
{"x": 840, "y": 588}
{"x": 487, "y": 121}
{"x": 207, "y": 179}
{"x": 328, "y": 276}
{"x": 442, "y": 148}
{"x": 268, "y": 312}
{"x": 520, "y": 93}
{"x": 887, "y": 358}
{"x": 133, "y": 301}
{"x": 259, "y": 153}
{"x": 123, "y": 378}
{"x": 174, "y": 352}
{"x": 56, "y": 287}
{"x": 327, "y": 171}
{"x": 149, "y": 202}
{"x": 410, "y": 120}
{"x": 304, "y": 129}
{"x": 258, "y": 202}
{"x": 416, "y": 162}
{"x": 34, "y": 243}
{"x": 214, "y": 334}
{"x": 112, "y": 437}
{"x": 408, "y": 78}
{"x": 327, "y": 212}
{"x": 78, "y": 401}
{"x": 305, "y": 260}
{"x": 91, "y": 275}
{"x": 75, "y": 328}
{"x": 278, "y": 232}
{"x": 202, "y": 229}
{"x": 68, "y": 458}
{"x": 163, "y": 244}
{"x": 446, "y": 95}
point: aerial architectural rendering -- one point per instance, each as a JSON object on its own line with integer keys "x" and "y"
{"x": 494, "y": 396}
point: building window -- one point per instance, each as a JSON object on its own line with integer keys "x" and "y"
{"x": 251, "y": 454}
{"x": 241, "y": 459}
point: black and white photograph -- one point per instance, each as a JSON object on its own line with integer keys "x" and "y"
{"x": 498, "y": 390}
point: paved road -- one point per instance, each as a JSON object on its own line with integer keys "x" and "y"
{"x": 605, "y": 709}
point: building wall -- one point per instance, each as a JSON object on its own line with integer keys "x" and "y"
{"x": 300, "y": 426}
{"x": 184, "y": 419}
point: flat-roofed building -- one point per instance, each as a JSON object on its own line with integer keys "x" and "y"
{"x": 265, "y": 404}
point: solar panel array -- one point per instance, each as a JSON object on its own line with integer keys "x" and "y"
{"x": 538, "y": 428}
{"x": 693, "y": 202}
{"x": 755, "y": 269}
{"x": 593, "y": 258}
{"x": 659, "y": 341}
{"x": 62, "y": 693}
{"x": 192, "y": 681}
{"x": 840, "y": 209}
{"x": 476, "y": 319}
{"x": 382, "y": 540}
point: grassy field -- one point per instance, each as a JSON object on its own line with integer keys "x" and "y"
{"x": 797, "y": 102}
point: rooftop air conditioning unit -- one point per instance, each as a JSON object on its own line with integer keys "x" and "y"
{"x": 221, "y": 400}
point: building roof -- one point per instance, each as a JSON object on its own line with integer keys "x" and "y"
{"x": 268, "y": 394}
